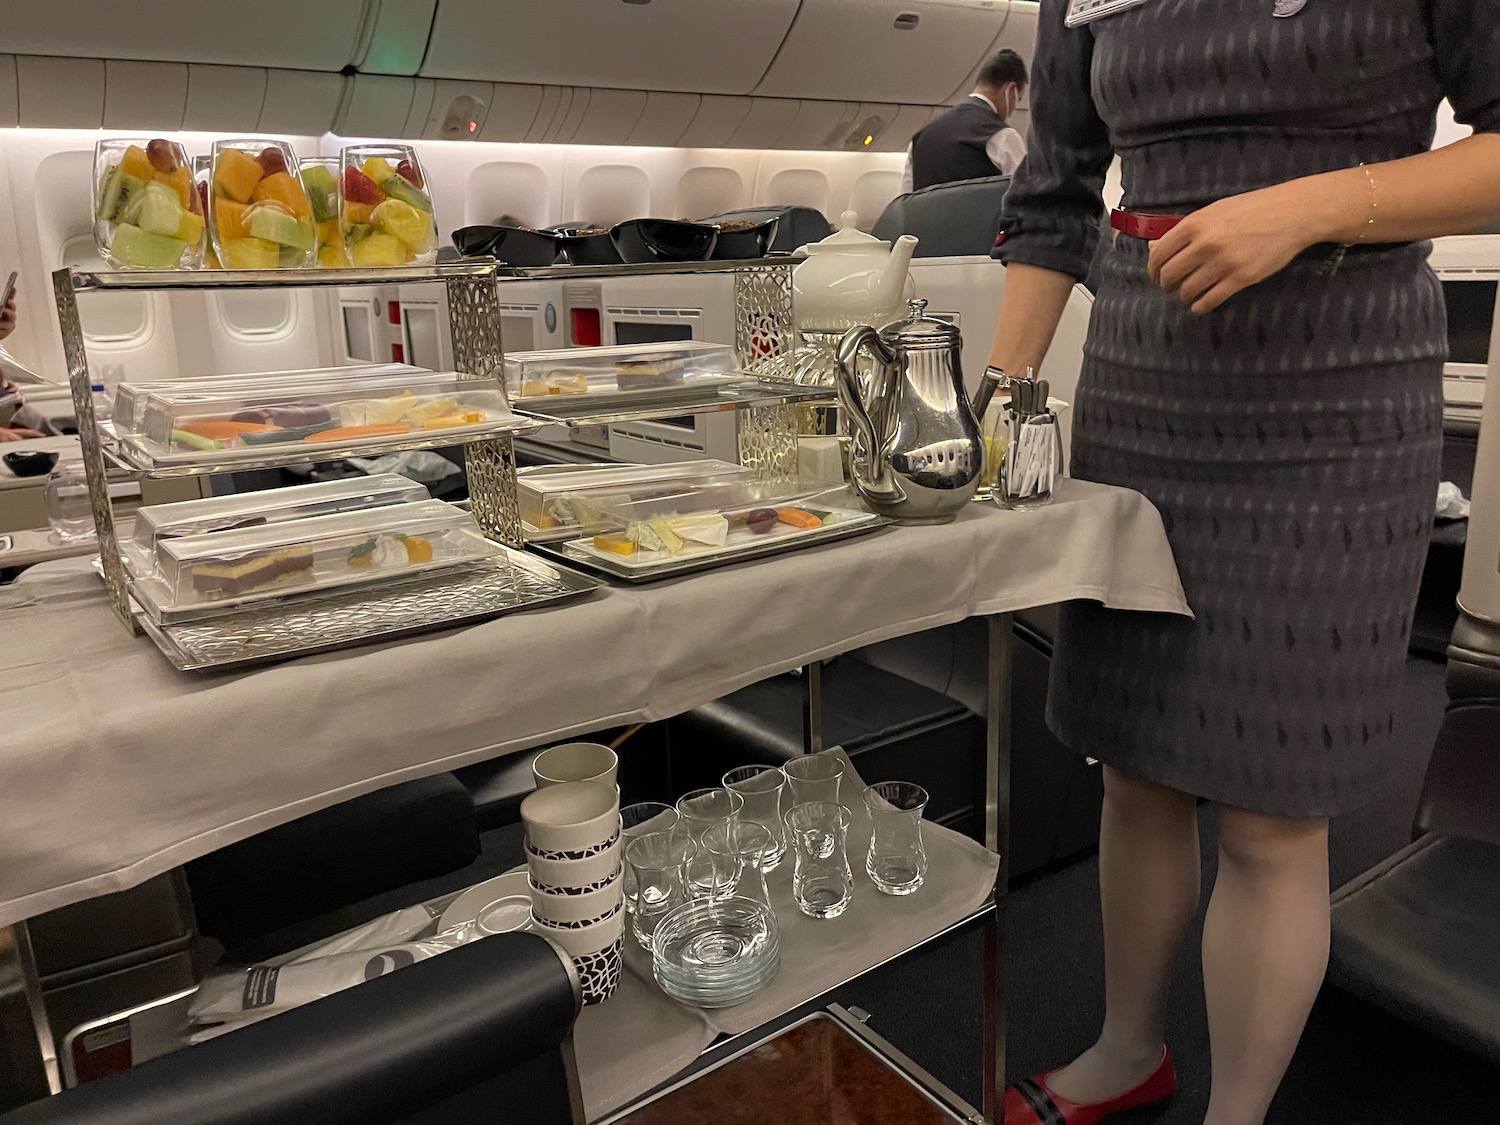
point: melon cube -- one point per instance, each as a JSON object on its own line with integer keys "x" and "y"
{"x": 282, "y": 188}
{"x": 230, "y": 217}
{"x": 250, "y": 254}
{"x": 379, "y": 250}
{"x": 236, "y": 174}
{"x": 136, "y": 163}
{"x": 181, "y": 179}
{"x": 144, "y": 249}
{"x": 161, "y": 211}
{"x": 191, "y": 230}
{"x": 332, "y": 257}
{"x": 275, "y": 225}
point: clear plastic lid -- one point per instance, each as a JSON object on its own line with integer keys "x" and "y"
{"x": 176, "y": 427}
{"x": 620, "y": 370}
{"x": 255, "y": 509}
{"x": 130, "y": 397}
{"x": 576, "y": 500}
{"x": 711, "y": 520}
{"x": 219, "y": 570}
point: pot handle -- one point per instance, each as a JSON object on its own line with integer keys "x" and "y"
{"x": 850, "y": 346}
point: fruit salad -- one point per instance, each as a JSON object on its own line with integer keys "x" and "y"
{"x": 387, "y": 218}
{"x": 320, "y": 178}
{"x": 146, "y": 213}
{"x": 260, "y": 213}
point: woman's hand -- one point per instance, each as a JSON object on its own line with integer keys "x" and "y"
{"x": 8, "y": 434}
{"x": 8, "y": 318}
{"x": 1230, "y": 245}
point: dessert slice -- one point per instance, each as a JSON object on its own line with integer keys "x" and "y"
{"x": 641, "y": 374}
{"x": 226, "y": 578}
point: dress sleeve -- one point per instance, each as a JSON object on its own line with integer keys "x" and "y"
{"x": 1466, "y": 50}
{"x": 1056, "y": 200}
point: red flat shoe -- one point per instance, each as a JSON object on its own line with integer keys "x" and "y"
{"x": 1031, "y": 1102}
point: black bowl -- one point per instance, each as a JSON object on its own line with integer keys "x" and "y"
{"x": 588, "y": 249}
{"x": 515, "y": 246}
{"x": 30, "y": 462}
{"x": 664, "y": 240}
{"x": 748, "y": 242}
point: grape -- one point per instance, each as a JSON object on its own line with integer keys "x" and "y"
{"x": 272, "y": 160}
{"x": 761, "y": 520}
{"x": 162, "y": 154}
{"x": 408, "y": 172}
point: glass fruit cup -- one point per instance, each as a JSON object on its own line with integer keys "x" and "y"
{"x": 146, "y": 214}
{"x": 202, "y": 168}
{"x": 387, "y": 219}
{"x": 320, "y": 177}
{"x": 258, "y": 210}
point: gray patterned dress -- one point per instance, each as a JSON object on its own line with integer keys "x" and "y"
{"x": 1291, "y": 439}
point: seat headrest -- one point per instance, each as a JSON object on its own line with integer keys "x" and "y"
{"x": 949, "y": 220}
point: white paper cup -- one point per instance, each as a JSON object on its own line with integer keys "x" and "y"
{"x": 554, "y": 911}
{"x": 576, "y": 818}
{"x": 575, "y": 874}
{"x": 576, "y": 761}
{"x": 596, "y": 951}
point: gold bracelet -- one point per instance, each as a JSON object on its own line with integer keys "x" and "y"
{"x": 1374, "y": 205}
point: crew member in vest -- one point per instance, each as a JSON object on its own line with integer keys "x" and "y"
{"x": 972, "y": 140}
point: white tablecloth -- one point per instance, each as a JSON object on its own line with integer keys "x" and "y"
{"x": 114, "y": 767}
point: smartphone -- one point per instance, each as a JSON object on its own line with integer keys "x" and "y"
{"x": 10, "y": 288}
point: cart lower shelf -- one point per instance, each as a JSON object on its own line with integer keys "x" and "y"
{"x": 509, "y": 583}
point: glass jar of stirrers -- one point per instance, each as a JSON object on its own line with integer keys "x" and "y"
{"x": 1032, "y": 459}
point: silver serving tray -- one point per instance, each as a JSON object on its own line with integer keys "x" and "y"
{"x": 691, "y": 387}
{"x": 298, "y": 627}
{"x": 676, "y": 568}
{"x": 588, "y": 410}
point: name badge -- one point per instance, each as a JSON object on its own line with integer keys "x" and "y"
{"x": 1081, "y": 12}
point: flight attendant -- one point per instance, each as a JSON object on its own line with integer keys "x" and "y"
{"x": 1265, "y": 364}
{"x": 974, "y": 139}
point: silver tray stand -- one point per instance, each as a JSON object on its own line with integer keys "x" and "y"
{"x": 306, "y": 625}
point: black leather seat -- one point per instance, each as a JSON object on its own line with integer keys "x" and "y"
{"x": 950, "y": 220}
{"x": 478, "y": 1034}
{"x": 1417, "y": 934}
{"x": 292, "y": 884}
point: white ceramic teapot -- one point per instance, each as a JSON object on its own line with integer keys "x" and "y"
{"x": 852, "y": 278}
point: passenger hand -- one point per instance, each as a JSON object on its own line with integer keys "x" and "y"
{"x": 1227, "y": 247}
{"x": 8, "y": 434}
{"x": 7, "y": 317}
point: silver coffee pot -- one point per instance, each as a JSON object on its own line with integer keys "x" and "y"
{"x": 917, "y": 451}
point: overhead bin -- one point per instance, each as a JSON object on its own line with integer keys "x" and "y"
{"x": 10, "y": 108}
{"x": 1018, "y": 32}
{"x": 715, "y": 122}
{"x": 819, "y": 125}
{"x": 513, "y": 111}
{"x": 904, "y": 51}
{"x": 284, "y": 33}
{"x": 396, "y": 36}
{"x": 674, "y": 45}
{"x": 767, "y": 122}
{"x": 611, "y": 116}
{"x": 449, "y": 111}
{"x": 665, "y": 119}
{"x": 144, "y": 95}
{"x": 300, "y": 102}
{"x": 376, "y": 106}
{"x": 60, "y": 93}
{"x": 556, "y": 101}
{"x": 224, "y": 99}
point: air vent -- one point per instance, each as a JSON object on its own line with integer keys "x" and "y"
{"x": 906, "y": 21}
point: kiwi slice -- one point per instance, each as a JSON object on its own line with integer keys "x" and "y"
{"x": 117, "y": 190}
{"x": 399, "y": 187}
{"x": 132, "y": 199}
{"x": 354, "y": 232}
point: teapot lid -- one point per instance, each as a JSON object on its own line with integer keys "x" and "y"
{"x": 919, "y": 330}
{"x": 847, "y": 237}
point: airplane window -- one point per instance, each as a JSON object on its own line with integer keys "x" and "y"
{"x": 255, "y": 313}
{"x": 508, "y": 188}
{"x": 108, "y": 318}
{"x": 872, "y": 193}
{"x": 802, "y": 187}
{"x": 709, "y": 191}
{"x": 611, "y": 193}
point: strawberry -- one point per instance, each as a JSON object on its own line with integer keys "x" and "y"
{"x": 408, "y": 172}
{"x": 359, "y": 188}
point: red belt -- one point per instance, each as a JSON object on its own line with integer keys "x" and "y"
{"x": 1139, "y": 224}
